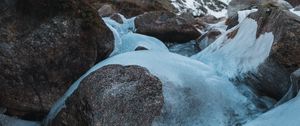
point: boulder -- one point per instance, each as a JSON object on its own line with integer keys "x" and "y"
{"x": 45, "y": 45}
{"x": 114, "y": 95}
{"x": 238, "y": 5}
{"x": 273, "y": 76}
{"x": 131, "y": 8}
{"x": 117, "y": 17}
{"x": 166, "y": 26}
{"x": 106, "y": 10}
{"x": 294, "y": 2}
{"x": 297, "y": 8}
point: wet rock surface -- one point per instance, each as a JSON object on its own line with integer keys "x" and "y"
{"x": 114, "y": 95}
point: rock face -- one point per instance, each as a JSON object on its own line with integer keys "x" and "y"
{"x": 130, "y": 8}
{"x": 45, "y": 45}
{"x": 166, "y": 26}
{"x": 238, "y": 5}
{"x": 294, "y": 2}
{"x": 273, "y": 76}
{"x": 106, "y": 10}
{"x": 114, "y": 95}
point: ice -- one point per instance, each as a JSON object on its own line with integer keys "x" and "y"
{"x": 131, "y": 41}
{"x": 241, "y": 54}
{"x": 12, "y": 121}
{"x": 126, "y": 40}
{"x": 193, "y": 93}
{"x": 295, "y": 12}
{"x": 287, "y": 114}
{"x": 186, "y": 49}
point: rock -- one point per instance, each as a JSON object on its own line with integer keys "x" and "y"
{"x": 297, "y": 8}
{"x": 45, "y": 45}
{"x": 231, "y": 22}
{"x": 208, "y": 38}
{"x": 238, "y": 5}
{"x": 140, "y": 48}
{"x": 117, "y": 18}
{"x": 273, "y": 76}
{"x": 294, "y": 2}
{"x": 114, "y": 95}
{"x": 131, "y": 8}
{"x": 106, "y": 10}
{"x": 282, "y": 4}
{"x": 166, "y": 26}
{"x": 210, "y": 19}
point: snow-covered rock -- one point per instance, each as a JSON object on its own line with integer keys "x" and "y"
{"x": 217, "y": 8}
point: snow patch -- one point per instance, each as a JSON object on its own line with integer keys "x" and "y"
{"x": 199, "y": 7}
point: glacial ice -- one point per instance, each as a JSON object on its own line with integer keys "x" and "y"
{"x": 243, "y": 53}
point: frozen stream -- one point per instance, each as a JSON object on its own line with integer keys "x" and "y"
{"x": 194, "y": 91}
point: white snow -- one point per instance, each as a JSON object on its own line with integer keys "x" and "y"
{"x": 287, "y": 114}
{"x": 243, "y": 53}
{"x": 195, "y": 6}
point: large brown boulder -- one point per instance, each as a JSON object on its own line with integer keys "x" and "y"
{"x": 114, "y": 95}
{"x": 294, "y": 2}
{"x": 238, "y": 5}
{"x": 273, "y": 76}
{"x": 130, "y": 8}
{"x": 45, "y": 45}
{"x": 166, "y": 26}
